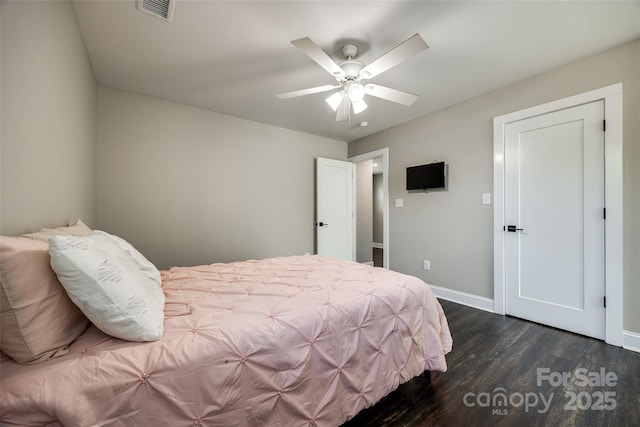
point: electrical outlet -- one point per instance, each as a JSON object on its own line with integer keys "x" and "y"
{"x": 427, "y": 264}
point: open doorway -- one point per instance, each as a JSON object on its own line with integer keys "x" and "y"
{"x": 372, "y": 207}
{"x": 378, "y": 212}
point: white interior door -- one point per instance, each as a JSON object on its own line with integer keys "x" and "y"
{"x": 334, "y": 209}
{"x": 554, "y": 202}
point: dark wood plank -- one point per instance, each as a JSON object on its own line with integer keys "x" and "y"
{"x": 493, "y": 354}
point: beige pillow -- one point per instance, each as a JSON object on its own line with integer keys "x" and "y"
{"x": 39, "y": 320}
{"x": 77, "y": 229}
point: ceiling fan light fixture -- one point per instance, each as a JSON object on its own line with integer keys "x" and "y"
{"x": 356, "y": 92}
{"x": 359, "y": 106}
{"x": 335, "y": 100}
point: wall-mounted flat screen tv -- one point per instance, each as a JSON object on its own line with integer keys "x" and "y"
{"x": 427, "y": 177}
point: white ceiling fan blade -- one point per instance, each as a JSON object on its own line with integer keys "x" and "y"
{"x": 343, "y": 109}
{"x": 309, "y": 91}
{"x": 405, "y": 50}
{"x": 389, "y": 94}
{"x": 319, "y": 56}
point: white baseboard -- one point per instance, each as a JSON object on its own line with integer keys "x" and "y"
{"x": 463, "y": 298}
{"x": 377, "y": 245}
{"x": 631, "y": 341}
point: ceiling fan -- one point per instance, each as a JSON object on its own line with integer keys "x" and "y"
{"x": 350, "y": 73}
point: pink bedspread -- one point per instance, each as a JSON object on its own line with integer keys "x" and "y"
{"x": 297, "y": 341}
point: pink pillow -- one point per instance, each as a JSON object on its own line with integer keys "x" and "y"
{"x": 39, "y": 321}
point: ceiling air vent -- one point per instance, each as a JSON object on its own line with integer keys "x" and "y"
{"x": 160, "y": 8}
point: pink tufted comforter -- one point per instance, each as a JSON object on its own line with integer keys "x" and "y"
{"x": 293, "y": 341}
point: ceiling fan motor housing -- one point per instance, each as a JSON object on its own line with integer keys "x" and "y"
{"x": 351, "y": 69}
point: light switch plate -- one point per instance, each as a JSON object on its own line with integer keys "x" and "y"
{"x": 486, "y": 198}
{"x": 399, "y": 203}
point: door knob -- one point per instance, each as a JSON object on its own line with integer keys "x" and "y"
{"x": 513, "y": 229}
{"x": 321, "y": 224}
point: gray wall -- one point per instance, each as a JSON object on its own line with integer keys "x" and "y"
{"x": 188, "y": 186}
{"x": 364, "y": 211}
{"x": 453, "y": 229}
{"x": 378, "y": 209}
{"x": 47, "y": 172}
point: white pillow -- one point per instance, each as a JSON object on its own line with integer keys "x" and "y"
{"x": 109, "y": 286}
{"x": 145, "y": 265}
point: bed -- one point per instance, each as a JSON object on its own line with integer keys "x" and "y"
{"x": 300, "y": 340}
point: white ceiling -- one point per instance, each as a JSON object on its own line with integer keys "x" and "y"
{"x": 232, "y": 57}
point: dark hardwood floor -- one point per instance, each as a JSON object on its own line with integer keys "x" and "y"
{"x": 505, "y": 371}
{"x": 378, "y": 257}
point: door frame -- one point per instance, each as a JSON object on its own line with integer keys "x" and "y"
{"x": 614, "y": 227}
{"x": 384, "y": 154}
